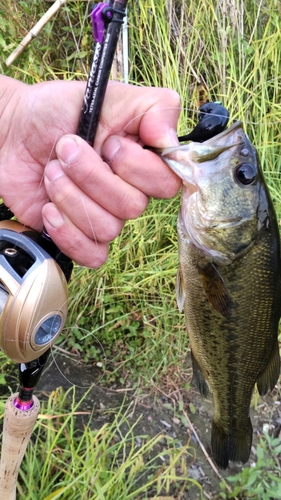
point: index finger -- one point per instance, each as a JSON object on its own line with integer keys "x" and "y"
{"x": 149, "y": 113}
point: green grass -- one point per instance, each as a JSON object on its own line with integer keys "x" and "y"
{"x": 124, "y": 314}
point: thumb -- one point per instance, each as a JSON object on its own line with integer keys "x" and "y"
{"x": 159, "y": 124}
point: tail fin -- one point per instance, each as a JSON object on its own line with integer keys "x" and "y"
{"x": 235, "y": 446}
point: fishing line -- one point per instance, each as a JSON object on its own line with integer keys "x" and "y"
{"x": 88, "y": 334}
{"x": 74, "y": 384}
{"x": 197, "y": 112}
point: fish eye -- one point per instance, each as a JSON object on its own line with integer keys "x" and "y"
{"x": 246, "y": 173}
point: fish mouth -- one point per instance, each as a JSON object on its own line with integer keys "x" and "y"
{"x": 182, "y": 158}
{"x": 220, "y": 142}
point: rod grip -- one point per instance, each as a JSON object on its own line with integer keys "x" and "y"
{"x": 17, "y": 429}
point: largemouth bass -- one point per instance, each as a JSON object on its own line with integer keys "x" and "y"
{"x": 228, "y": 280}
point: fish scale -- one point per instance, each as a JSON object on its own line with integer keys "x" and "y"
{"x": 228, "y": 281}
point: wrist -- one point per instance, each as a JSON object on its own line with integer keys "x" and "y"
{"x": 10, "y": 92}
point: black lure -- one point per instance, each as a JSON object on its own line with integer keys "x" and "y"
{"x": 213, "y": 119}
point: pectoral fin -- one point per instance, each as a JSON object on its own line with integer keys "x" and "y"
{"x": 215, "y": 289}
{"x": 268, "y": 378}
{"x": 180, "y": 293}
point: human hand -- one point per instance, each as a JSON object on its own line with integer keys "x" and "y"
{"x": 90, "y": 198}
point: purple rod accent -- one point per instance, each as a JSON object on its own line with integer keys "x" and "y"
{"x": 98, "y": 21}
{"x": 23, "y": 405}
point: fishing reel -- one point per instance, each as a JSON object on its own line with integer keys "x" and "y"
{"x": 33, "y": 294}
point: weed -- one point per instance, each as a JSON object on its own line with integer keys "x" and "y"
{"x": 263, "y": 480}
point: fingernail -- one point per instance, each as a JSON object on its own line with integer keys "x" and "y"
{"x": 66, "y": 149}
{"x": 53, "y": 216}
{"x": 110, "y": 148}
{"x": 53, "y": 170}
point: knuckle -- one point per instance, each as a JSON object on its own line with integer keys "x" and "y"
{"x": 137, "y": 205}
{"x": 61, "y": 198}
{"x": 175, "y": 97}
{"x": 82, "y": 250}
{"x": 96, "y": 257}
{"x": 59, "y": 191}
{"x": 110, "y": 230}
{"x": 100, "y": 260}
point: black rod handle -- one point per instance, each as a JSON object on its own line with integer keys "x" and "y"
{"x": 99, "y": 74}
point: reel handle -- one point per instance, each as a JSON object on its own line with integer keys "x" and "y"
{"x": 18, "y": 427}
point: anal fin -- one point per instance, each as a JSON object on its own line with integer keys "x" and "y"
{"x": 268, "y": 378}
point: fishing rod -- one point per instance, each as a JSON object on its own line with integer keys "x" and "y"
{"x": 34, "y": 273}
{"x": 107, "y": 20}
